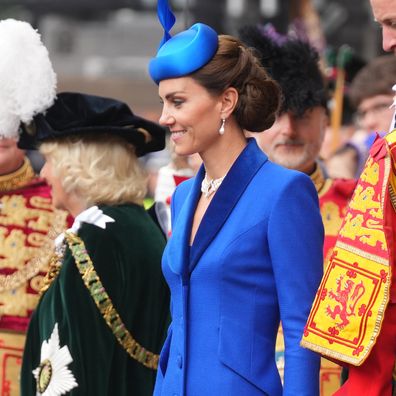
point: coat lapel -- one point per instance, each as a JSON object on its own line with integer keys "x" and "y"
{"x": 239, "y": 176}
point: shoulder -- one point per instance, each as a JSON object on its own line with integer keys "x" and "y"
{"x": 284, "y": 191}
{"x": 341, "y": 188}
{"x": 124, "y": 213}
{"x": 36, "y": 186}
{"x": 279, "y": 178}
{"x": 131, "y": 222}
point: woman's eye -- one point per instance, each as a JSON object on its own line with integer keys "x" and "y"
{"x": 178, "y": 102}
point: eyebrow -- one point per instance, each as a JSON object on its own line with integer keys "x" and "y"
{"x": 171, "y": 94}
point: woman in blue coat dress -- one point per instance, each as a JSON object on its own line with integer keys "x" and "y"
{"x": 246, "y": 245}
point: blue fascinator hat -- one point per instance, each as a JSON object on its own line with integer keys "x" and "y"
{"x": 183, "y": 53}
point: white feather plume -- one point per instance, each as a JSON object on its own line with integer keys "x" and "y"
{"x": 27, "y": 79}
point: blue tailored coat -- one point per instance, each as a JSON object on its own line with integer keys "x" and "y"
{"x": 256, "y": 259}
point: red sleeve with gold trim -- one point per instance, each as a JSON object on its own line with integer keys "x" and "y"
{"x": 27, "y": 223}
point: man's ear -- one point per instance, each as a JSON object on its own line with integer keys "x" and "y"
{"x": 229, "y": 100}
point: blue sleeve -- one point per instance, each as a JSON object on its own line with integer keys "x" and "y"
{"x": 296, "y": 247}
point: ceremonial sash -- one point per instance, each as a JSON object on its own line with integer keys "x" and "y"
{"x": 349, "y": 307}
{"x": 105, "y": 305}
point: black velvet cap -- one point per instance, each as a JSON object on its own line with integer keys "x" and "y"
{"x": 77, "y": 114}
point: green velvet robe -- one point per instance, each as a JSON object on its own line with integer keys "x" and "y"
{"x": 127, "y": 258}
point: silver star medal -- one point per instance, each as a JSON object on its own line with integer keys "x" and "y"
{"x": 53, "y": 377}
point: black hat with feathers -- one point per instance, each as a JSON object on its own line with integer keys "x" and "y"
{"x": 293, "y": 64}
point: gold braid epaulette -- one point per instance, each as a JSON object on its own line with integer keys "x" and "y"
{"x": 105, "y": 305}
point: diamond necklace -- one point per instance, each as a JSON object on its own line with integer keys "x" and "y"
{"x": 209, "y": 187}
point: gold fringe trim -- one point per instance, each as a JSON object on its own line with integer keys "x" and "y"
{"x": 332, "y": 354}
{"x": 362, "y": 253}
{"x": 392, "y": 195}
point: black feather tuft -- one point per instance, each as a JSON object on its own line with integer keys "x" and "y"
{"x": 294, "y": 64}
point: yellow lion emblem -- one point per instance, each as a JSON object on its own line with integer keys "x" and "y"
{"x": 363, "y": 201}
{"x": 353, "y": 228}
{"x": 370, "y": 173}
{"x": 331, "y": 218}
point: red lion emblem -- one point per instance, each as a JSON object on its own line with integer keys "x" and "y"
{"x": 348, "y": 297}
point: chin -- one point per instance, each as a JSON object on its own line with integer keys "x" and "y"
{"x": 183, "y": 151}
{"x": 288, "y": 161}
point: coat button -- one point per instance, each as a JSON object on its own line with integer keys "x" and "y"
{"x": 179, "y": 361}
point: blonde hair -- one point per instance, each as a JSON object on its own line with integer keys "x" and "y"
{"x": 100, "y": 170}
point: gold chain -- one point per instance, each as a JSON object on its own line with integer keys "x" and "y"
{"x": 36, "y": 264}
{"x": 55, "y": 263}
{"x": 105, "y": 305}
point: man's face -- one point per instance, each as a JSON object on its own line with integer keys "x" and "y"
{"x": 385, "y": 14}
{"x": 294, "y": 142}
{"x": 374, "y": 114}
{"x": 11, "y": 157}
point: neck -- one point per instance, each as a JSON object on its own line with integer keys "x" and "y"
{"x": 11, "y": 167}
{"x": 309, "y": 169}
{"x": 76, "y": 205}
{"x": 20, "y": 177}
{"x": 219, "y": 159}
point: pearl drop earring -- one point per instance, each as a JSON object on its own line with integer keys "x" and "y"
{"x": 221, "y": 130}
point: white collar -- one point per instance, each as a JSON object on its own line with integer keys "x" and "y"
{"x": 92, "y": 215}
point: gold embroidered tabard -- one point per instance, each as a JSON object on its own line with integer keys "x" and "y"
{"x": 11, "y": 351}
{"x": 349, "y": 307}
{"x": 26, "y": 221}
{"x": 28, "y": 224}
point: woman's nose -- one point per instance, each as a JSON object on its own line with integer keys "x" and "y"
{"x": 166, "y": 119}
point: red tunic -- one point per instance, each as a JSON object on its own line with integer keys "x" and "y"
{"x": 28, "y": 222}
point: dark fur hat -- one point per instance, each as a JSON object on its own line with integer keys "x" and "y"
{"x": 293, "y": 64}
{"x": 77, "y": 114}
